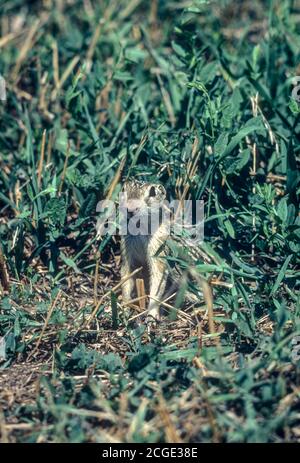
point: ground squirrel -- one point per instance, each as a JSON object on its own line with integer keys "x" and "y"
{"x": 140, "y": 199}
{"x": 144, "y": 250}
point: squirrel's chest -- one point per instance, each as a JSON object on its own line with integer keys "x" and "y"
{"x": 136, "y": 249}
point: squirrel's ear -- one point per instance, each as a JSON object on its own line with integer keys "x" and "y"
{"x": 162, "y": 191}
{"x": 152, "y": 191}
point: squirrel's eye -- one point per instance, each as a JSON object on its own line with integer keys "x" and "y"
{"x": 152, "y": 192}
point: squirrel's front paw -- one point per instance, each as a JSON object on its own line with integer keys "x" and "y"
{"x": 152, "y": 319}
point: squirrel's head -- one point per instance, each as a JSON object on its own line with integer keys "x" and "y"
{"x": 140, "y": 196}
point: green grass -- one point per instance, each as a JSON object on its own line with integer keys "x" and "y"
{"x": 97, "y": 92}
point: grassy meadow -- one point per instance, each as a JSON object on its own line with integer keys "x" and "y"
{"x": 200, "y": 96}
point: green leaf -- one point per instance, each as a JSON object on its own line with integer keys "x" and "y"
{"x": 229, "y": 228}
{"x": 221, "y": 144}
{"x": 281, "y": 275}
{"x": 282, "y": 209}
{"x": 70, "y": 262}
{"x": 178, "y": 49}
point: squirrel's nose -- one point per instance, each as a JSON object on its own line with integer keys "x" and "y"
{"x": 133, "y": 205}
